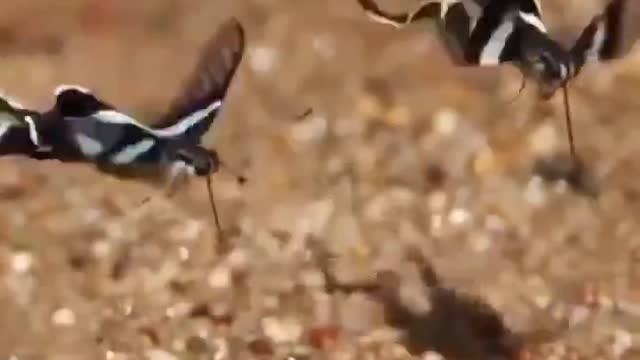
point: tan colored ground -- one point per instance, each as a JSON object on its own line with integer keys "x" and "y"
{"x": 405, "y": 161}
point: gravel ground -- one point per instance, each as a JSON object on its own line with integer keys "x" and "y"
{"x": 418, "y": 211}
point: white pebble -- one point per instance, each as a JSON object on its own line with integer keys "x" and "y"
{"x": 159, "y": 355}
{"x": 63, "y": 317}
{"x": 535, "y": 193}
{"x": 431, "y": 355}
{"x": 21, "y": 262}
{"x": 543, "y": 140}
{"x": 220, "y": 278}
{"x": 285, "y": 330}
{"x": 446, "y": 121}
{"x": 262, "y": 59}
{"x": 101, "y": 249}
{"x": 312, "y": 129}
{"x": 622, "y": 342}
{"x": 459, "y": 216}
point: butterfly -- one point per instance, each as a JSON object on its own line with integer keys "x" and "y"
{"x": 80, "y": 127}
{"x": 493, "y": 32}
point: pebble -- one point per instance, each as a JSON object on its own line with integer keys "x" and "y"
{"x": 446, "y": 121}
{"x": 535, "y": 193}
{"x": 63, "y": 317}
{"x": 263, "y": 59}
{"x": 543, "y": 140}
{"x": 459, "y": 216}
{"x": 622, "y": 342}
{"x": 432, "y": 355}
{"x": 282, "y": 330}
{"x": 311, "y": 130}
{"x": 21, "y": 262}
{"x": 220, "y": 277}
{"x": 157, "y": 354}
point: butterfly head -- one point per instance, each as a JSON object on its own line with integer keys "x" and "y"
{"x": 550, "y": 67}
{"x": 201, "y": 160}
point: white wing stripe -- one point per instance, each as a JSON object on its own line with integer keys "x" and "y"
{"x": 131, "y": 152}
{"x": 533, "y": 20}
{"x": 490, "y": 54}
{"x": 596, "y": 44}
{"x": 114, "y": 117}
{"x": 89, "y": 146}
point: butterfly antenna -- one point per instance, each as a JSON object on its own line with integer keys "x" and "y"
{"x": 567, "y": 112}
{"x": 213, "y": 207}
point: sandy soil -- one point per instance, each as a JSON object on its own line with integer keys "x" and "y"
{"x": 418, "y": 212}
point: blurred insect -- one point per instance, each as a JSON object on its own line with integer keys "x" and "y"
{"x": 492, "y": 32}
{"x": 18, "y": 135}
{"x": 82, "y": 128}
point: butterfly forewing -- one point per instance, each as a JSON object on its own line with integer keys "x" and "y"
{"x": 194, "y": 110}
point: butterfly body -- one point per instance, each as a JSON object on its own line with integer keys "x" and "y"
{"x": 80, "y": 127}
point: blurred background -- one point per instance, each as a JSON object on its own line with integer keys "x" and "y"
{"x": 407, "y": 166}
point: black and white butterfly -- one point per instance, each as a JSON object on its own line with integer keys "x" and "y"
{"x": 82, "y": 128}
{"x": 18, "y": 135}
{"x": 493, "y": 32}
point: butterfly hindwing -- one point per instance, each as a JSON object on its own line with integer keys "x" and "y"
{"x": 98, "y": 132}
{"x": 192, "y": 113}
{"x": 602, "y": 39}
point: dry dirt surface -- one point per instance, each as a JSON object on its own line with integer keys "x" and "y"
{"x": 418, "y": 212}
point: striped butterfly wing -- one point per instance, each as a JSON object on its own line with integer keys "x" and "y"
{"x": 603, "y": 39}
{"x": 191, "y": 114}
{"x": 94, "y": 130}
{"x": 499, "y": 33}
{"x": 18, "y": 134}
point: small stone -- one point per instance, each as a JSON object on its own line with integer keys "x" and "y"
{"x": 543, "y": 140}
{"x": 578, "y": 315}
{"x": 622, "y": 342}
{"x": 262, "y": 59}
{"x": 282, "y": 330}
{"x": 21, "y": 262}
{"x": 313, "y": 129}
{"x": 459, "y": 216}
{"x": 157, "y": 354}
{"x": 183, "y": 253}
{"x": 535, "y": 193}
{"x": 446, "y": 121}
{"x": 63, "y": 317}
{"x": 101, "y": 249}
{"x": 220, "y": 278}
{"x": 432, "y": 355}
